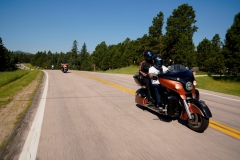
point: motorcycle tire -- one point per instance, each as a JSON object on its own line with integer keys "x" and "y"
{"x": 198, "y": 123}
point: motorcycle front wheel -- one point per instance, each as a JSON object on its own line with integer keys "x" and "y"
{"x": 198, "y": 123}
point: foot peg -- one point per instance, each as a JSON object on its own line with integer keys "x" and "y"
{"x": 162, "y": 110}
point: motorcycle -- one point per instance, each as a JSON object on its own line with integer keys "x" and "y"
{"x": 179, "y": 97}
{"x": 64, "y": 67}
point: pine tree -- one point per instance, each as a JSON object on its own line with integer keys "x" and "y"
{"x": 203, "y": 53}
{"x": 73, "y": 56}
{"x": 98, "y": 55}
{"x": 2, "y": 56}
{"x": 178, "y": 43}
{"x": 232, "y": 46}
{"x": 83, "y": 56}
{"x": 218, "y": 59}
{"x": 155, "y": 33}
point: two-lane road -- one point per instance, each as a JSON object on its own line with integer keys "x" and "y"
{"x": 85, "y": 117}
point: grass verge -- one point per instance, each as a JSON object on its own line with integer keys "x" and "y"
{"x": 126, "y": 70}
{"x": 29, "y": 65}
{"x": 201, "y": 73}
{"x": 8, "y": 91}
{"x": 218, "y": 84}
{"x": 8, "y": 77}
{"x": 24, "y": 90}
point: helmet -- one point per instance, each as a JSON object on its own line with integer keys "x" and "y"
{"x": 148, "y": 54}
{"x": 158, "y": 62}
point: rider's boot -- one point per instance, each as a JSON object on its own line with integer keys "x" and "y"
{"x": 160, "y": 106}
{"x": 156, "y": 107}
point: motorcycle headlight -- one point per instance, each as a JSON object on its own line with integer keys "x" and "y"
{"x": 194, "y": 83}
{"x": 189, "y": 86}
{"x": 177, "y": 86}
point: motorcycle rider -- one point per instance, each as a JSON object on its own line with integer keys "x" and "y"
{"x": 143, "y": 70}
{"x": 156, "y": 69}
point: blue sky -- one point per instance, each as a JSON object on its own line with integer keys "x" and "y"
{"x": 43, "y": 25}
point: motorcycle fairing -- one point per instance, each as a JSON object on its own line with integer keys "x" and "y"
{"x": 181, "y": 77}
{"x": 203, "y": 107}
{"x": 170, "y": 84}
{"x": 195, "y": 93}
{"x": 197, "y": 107}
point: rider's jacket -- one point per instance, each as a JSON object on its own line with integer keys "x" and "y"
{"x": 156, "y": 71}
{"x": 144, "y": 68}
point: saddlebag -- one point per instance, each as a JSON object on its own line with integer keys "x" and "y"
{"x": 141, "y": 96}
{"x": 138, "y": 78}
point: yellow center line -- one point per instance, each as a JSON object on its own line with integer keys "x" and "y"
{"x": 225, "y": 129}
{"x": 218, "y": 126}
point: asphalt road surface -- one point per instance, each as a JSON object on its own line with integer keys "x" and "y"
{"x": 87, "y": 118}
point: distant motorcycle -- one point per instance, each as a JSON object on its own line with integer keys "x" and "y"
{"x": 64, "y": 67}
{"x": 179, "y": 97}
{"x": 52, "y": 67}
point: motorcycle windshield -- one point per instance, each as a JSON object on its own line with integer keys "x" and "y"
{"x": 176, "y": 68}
{"x": 178, "y": 72}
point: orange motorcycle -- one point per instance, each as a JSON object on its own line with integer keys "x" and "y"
{"x": 64, "y": 67}
{"x": 179, "y": 97}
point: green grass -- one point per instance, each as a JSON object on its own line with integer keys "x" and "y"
{"x": 39, "y": 75}
{"x": 8, "y": 91}
{"x": 8, "y": 77}
{"x": 126, "y": 70}
{"x": 227, "y": 78}
{"x": 201, "y": 73}
{"x": 217, "y": 84}
{"x": 28, "y": 65}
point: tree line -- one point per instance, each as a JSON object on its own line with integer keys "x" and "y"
{"x": 175, "y": 45}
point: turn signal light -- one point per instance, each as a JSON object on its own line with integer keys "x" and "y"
{"x": 177, "y": 86}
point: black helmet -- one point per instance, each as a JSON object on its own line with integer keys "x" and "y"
{"x": 158, "y": 62}
{"x": 148, "y": 54}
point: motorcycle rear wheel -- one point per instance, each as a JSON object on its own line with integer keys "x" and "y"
{"x": 198, "y": 123}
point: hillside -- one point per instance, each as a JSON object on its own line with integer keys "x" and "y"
{"x": 19, "y": 52}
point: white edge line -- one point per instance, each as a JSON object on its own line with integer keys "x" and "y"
{"x": 220, "y": 96}
{"x": 29, "y": 151}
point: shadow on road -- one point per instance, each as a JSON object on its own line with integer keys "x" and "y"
{"x": 161, "y": 117}
{"x": 67, "y": 72}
